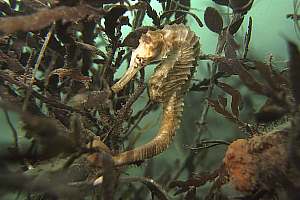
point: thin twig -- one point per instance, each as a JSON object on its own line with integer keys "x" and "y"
{"x": 37, "y": 1}
{"x": 140, "y": 117}
{"x": 201, "y": 122}
{"x": 36, "y": 66}
{"x": 208, "y": 144}
{"x": 247, "y": 38}
{"x": 91, "y": 48}
{"x": 154, "y": 187}
{"x": 46, "y": 100}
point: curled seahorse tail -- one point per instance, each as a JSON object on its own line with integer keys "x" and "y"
{"x": 172, "y": 112}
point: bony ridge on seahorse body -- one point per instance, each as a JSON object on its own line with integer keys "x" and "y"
{"x": 177, "y": 49}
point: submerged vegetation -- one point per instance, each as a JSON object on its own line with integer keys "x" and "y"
{"x": 81, "y": 126}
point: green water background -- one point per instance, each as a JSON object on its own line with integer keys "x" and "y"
{"x": 270, "y": 28}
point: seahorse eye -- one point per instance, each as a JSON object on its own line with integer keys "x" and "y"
{"x": 140, "y": 61}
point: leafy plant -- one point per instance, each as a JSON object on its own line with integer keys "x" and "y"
{"x": 58, "y": 61}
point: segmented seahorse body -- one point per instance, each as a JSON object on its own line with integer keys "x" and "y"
{"x": 177, "y": 47}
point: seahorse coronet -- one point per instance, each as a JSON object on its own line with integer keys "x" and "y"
{"x": 177, "y": 48}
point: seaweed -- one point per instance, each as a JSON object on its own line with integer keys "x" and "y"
{"x": 58, "y": 63}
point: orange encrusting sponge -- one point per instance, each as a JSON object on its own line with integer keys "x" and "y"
{"x": 254, "y": 162}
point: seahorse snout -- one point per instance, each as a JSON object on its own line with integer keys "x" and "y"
{"x": 136, "y": 63}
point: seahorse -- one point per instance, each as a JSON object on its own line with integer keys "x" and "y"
{"x": 177, "y": 48}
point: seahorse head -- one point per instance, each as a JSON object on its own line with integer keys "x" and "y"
{"x": 151, "y": 47}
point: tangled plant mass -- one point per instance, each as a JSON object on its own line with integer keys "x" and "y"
{"x": 81, "y": 124}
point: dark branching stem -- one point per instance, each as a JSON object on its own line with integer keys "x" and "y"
{"x": 166, "y": 13}
{"x": 139, "y": 118}
{"x": 201, "y": 122}
{"x": 5, "y": 76}
{"x": 247, "y": 38}
{"x": 153, "y": 186}
{"x": 208, "y": 144}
